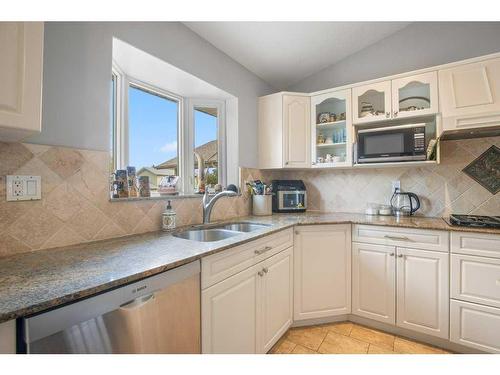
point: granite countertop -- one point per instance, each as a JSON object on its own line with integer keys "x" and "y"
{"x": 33, "y": 282}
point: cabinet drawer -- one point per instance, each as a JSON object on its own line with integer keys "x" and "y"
{"x": 487, "y": 245}
{"x": 475, "y": 279}
{"x": 406, "y": 237}
{"x": 220, "y": 266}
{"x": 475, "y": 326}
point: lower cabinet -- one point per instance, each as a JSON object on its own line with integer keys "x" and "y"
{"x": 249, "y": 311}
{"x": 422, "y": 291}
{"x": 8, "y": 337}
{"x": 416, "y": 279}
{"x": 322, "y": 271}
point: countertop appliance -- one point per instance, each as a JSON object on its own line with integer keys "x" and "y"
{"x": 289, "y": 196}
{"x": 392, "y": 143}
{"x": 475, "y": 221}
{"x": 160, "y": 314}
{"x": 404, "y": 203}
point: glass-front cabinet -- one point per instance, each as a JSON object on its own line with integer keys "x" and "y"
{"x": 415, "y": 95}
{"x": 371, "y": 102}
{"x": 331, "y": 129}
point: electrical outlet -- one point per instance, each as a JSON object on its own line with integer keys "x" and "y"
{"x": 396, "y": 185}
{"x": 24, "y": 188}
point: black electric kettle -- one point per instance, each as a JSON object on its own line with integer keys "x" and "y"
{"x": 404, "y": 203}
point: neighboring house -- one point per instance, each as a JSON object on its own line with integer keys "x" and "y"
{"x": 207, "y": 152}
{"x": 155, "y": 175}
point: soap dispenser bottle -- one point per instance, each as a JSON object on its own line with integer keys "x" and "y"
{"x": 168, "y": 217}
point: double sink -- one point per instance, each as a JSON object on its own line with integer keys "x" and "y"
{"x": 218, "y": 233}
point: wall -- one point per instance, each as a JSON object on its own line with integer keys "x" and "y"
{"x": 443, "y": 188}
{"x": 75, "y": 204}
{"x": 77, "y": 70}
{"x": 419, "y": 45}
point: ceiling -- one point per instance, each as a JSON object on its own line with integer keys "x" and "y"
{"x": 283, "y": 53}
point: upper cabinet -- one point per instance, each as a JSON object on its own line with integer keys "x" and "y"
{"x": 469, "y": 95}
{"x": 21, "y": 63}
{"x": 284, "y": 131}
{"x": 410, "y": 96}
{"x": 371, "y": 102}
{"x": 415, "y": 95}
{"x": 331, "y": 129}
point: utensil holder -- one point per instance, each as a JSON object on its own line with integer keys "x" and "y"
{"x": 262, "y": 205}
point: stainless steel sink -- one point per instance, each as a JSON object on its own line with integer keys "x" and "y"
{"x": 245, "y": 227}
{"x": 206, "y": 235}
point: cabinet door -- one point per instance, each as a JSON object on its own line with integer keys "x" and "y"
{"x": 8, "y": 337}
{"x": 469, "y": 95}
{"x": 415, "y": 95}
{"x": 277, "y": 297}
{"x": 322, "y": 271}
{"x": 21, "y": 63}
{"x": 371, "y": 102}
{"x": 331, "y": 130}
{"x": 230, "y": 312}
{"x": 422, "y": 291}
{"x": 296, "y": 131}
{"x": 373, "y": 282}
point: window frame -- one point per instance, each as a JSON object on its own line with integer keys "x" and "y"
{"x": 185, "y": 129}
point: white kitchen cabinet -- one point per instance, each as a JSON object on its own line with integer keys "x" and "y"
{"x": 284, "y": 131}
{"x": 8, "y": 337}
{"x": 331, "y": 129}
{"x": 374, "y": 282}
{"x": 230, "y": 313}
{"x": 469, "y": 95}
{"x": 322, "y": 271}
{"x": 371, "y": 102}
{"x": 415, "y": 95}
{"x": 277, "y": 299}
{"x": 249, "y": 311}
{"x": 476, "y": 326}
{"x": 422, "y": 291}
{"x": 21, "y": 62}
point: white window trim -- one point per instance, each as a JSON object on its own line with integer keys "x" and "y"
{"x": 221, "y": 138}
{"x": 185, "y": 128}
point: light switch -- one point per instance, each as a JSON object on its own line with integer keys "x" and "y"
{"x": 24, "y": 188}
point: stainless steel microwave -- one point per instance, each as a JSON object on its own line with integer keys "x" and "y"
{"x": 388, "y": 144}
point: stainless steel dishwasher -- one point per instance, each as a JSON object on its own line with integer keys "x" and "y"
{"x": 160, "y": 314}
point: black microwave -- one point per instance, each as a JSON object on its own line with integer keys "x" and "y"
{"x": 289, "y": 196}
{"x": 394, "y": 143}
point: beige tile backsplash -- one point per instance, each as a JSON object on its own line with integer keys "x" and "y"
{"x": 75, "y": 206}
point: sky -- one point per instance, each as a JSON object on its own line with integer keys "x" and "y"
{"x": 153, "y": 129}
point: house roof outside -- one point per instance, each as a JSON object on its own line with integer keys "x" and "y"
{"x": 207, "y": 151}
{"x": 155, "y": 171}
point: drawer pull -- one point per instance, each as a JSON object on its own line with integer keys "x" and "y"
{"x": 397, "y": 238}
{"x": 264, "y": 250}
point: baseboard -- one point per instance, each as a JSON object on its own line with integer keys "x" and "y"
{"x": 316, "y": 321}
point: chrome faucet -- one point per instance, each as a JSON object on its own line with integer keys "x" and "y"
{"x": 208, "y": 204}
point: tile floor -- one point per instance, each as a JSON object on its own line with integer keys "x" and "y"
{"x": 347, "y": 338}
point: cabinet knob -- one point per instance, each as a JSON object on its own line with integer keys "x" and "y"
{"x": 396, "y": 113}
{"x": 265, "y": 270}
{"x": 387, "y": 114}
{"x": 391, "y": 254}
{"x": 400, "y": 255}
{"x": 260, "y": 273}
{"x": 286, "y": 163}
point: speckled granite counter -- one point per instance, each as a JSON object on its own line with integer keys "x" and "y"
{"x": 33, "y": 282}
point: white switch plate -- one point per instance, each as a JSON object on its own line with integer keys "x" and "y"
{"x": 24, "y": 188}
{"x": 396, "y": 185}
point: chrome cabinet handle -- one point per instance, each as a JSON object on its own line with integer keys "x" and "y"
{"x": 262, "y": 251}
{"x": 396, "y": 238}
{"x": 391, "y": 254}
{"x": 387, "y": 114}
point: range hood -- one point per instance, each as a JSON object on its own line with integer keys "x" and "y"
{"x": 451, "y": 135}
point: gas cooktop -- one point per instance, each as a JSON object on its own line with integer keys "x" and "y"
{"x": 475, "y": 221}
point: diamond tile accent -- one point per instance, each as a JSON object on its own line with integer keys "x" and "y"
{"x": 486, "y": 169}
